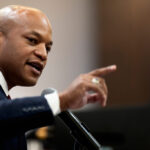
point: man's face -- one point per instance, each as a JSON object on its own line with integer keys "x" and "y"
{"x": 24, "y": 50}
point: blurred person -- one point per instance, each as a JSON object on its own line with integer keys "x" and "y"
{"x": 25, "y": 41}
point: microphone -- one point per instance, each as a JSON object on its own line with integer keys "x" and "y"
{"x": 77, "y": 129}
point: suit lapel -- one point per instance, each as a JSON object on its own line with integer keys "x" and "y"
{"x": 2, "y": 94}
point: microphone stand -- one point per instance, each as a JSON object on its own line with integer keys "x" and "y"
{"x": 83, "y": 138}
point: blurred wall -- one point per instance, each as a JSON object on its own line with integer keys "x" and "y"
{"x": 75, "y": 48}
{"x": 125, "y": 38}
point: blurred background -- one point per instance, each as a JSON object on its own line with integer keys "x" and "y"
{"x": 89, "y": 34}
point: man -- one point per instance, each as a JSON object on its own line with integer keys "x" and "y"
{"x": 25, "y": 41}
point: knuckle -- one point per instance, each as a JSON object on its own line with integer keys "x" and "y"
{"x": 81, "y": 82}
{"x": 102, "y": 80}
{"x": 81, "y": 76}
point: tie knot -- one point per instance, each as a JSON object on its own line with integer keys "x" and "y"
{"x": 8, "y": 97}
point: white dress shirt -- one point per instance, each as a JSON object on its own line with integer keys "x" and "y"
{"x": 52, "y": 98}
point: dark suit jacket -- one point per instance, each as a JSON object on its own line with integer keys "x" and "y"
{"x": 20, "y": 115}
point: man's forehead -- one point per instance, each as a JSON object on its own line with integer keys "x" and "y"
{"x": 22, "y": 14}
{"x": 14, "y": 11}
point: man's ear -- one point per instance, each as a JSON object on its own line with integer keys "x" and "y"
{"x": 2, "y": 40}
{"x": 1, "y": 37}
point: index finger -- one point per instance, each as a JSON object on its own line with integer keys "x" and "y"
{"x": 103, "y": 71}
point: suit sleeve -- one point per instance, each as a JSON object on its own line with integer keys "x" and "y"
{"x": 22, "y": 114}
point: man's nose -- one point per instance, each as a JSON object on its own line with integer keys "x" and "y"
{"x": 41, "y": 52}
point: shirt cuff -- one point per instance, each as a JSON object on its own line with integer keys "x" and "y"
{"x": 53, "y": 101}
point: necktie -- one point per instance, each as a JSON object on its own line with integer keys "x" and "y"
{"x": 9, "y": 97}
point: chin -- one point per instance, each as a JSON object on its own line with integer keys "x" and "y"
{"x": 29, "y": 83}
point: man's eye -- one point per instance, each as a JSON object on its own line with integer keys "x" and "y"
{"x": 32, "y": 40}
{"x": 48, "y": 49}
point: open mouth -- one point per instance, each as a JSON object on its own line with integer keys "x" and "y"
{"x": 36, "y": 65}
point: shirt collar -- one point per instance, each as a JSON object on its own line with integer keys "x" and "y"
{"x": 3, "y": 84}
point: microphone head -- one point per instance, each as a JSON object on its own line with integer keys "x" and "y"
{"x": 47, "y": 91}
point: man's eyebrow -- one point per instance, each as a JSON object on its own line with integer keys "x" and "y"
{"x": 39, "y": 36}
